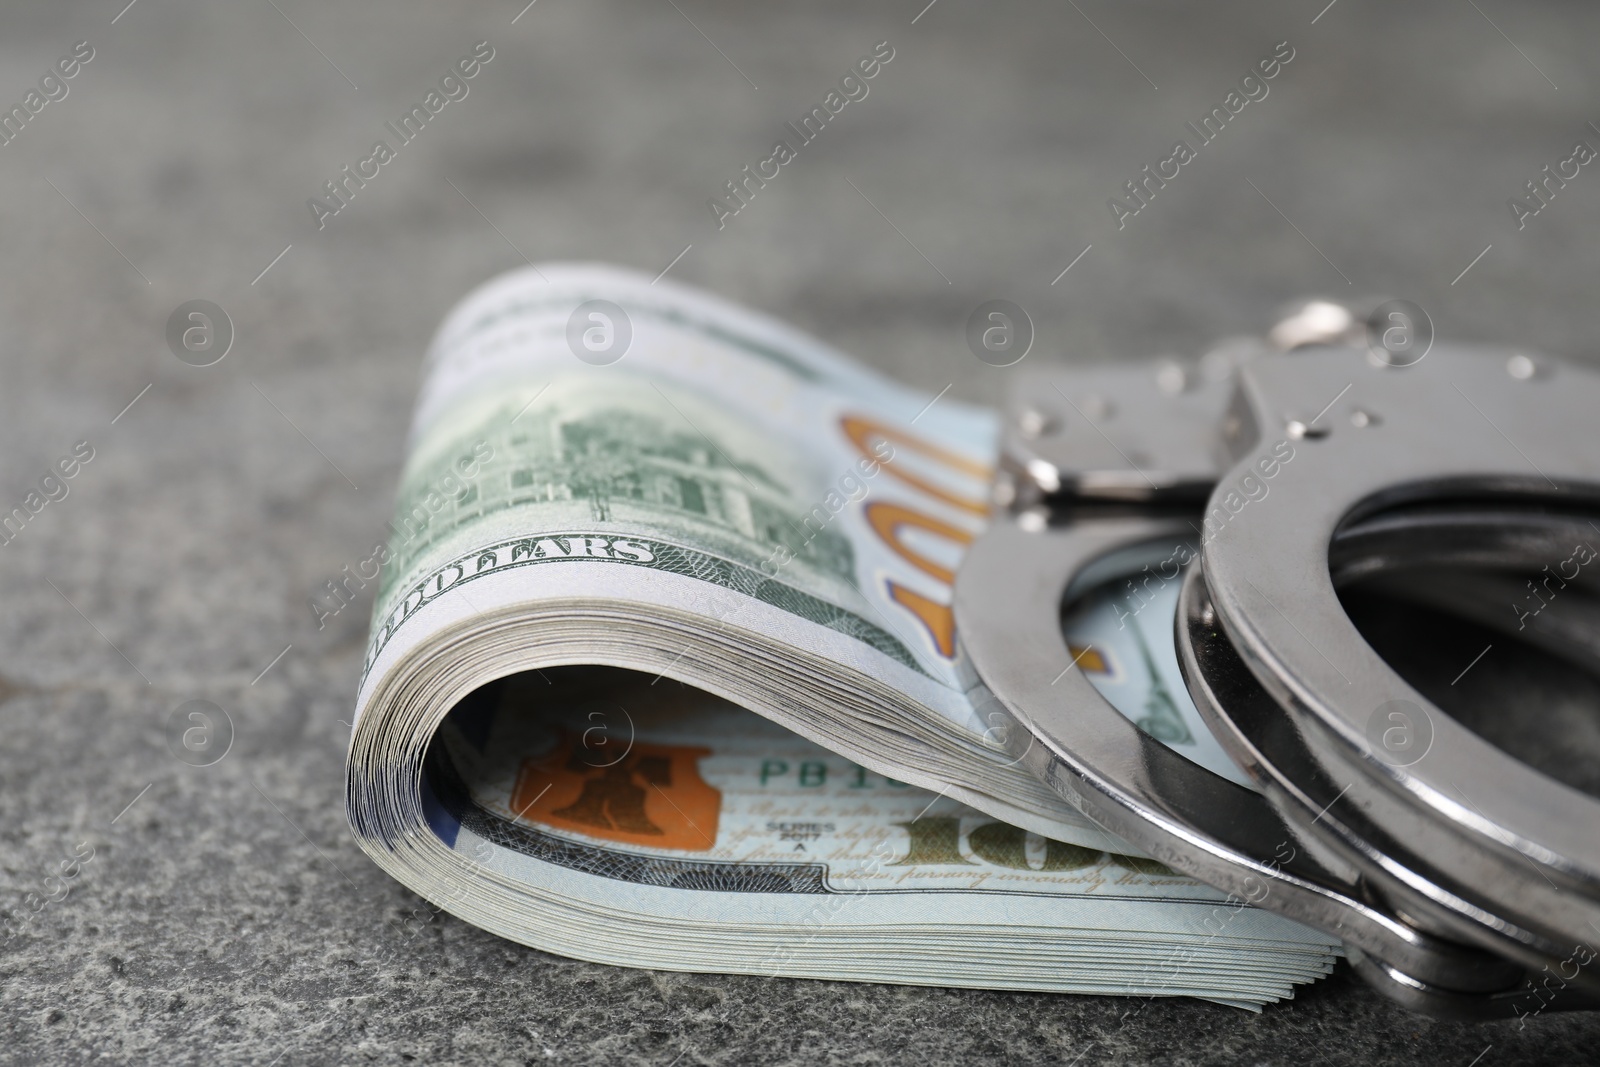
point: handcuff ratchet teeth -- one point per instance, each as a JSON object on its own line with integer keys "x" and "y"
{"x": 1462, "y": 882}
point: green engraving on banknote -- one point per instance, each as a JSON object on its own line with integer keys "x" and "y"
{"x": 590, "y": 546}
{"x": 617, "y": 458}
{"x": 630, "y": 467}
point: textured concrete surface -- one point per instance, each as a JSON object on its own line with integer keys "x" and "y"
{"x": 226, "y": 916}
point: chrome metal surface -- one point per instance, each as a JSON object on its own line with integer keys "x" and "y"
{"x": 1112, "y": 433}
{"x": 1374, "y": 844}
{"x": 1008, "y": 601}
{"x": 1448, "y": 483}
{"x": 1496, "y": 852}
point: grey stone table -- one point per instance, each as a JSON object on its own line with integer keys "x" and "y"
{"x": 226, "y": 916}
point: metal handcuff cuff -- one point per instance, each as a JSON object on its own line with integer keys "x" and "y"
{"x": 1462, "y": 882}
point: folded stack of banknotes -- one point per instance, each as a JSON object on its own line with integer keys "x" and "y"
{"x": 663, "y": 673}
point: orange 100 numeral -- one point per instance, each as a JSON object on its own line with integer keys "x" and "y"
{"x": 889, "y": 521}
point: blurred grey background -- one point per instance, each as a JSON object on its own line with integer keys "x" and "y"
{"x": 226, "y": 916}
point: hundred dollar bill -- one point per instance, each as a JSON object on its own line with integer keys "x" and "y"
{"x": 603, "y": 470}
{"x": 618, "y": 489}
{"x": 607, "y": 816}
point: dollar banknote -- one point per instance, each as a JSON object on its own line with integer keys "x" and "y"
{"x": 729, "y": 503}
{"x": 667, "y": 493}
{"x": 632, "y": 820}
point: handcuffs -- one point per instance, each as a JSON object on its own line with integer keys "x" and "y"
{"x": 1462, "y": 882}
